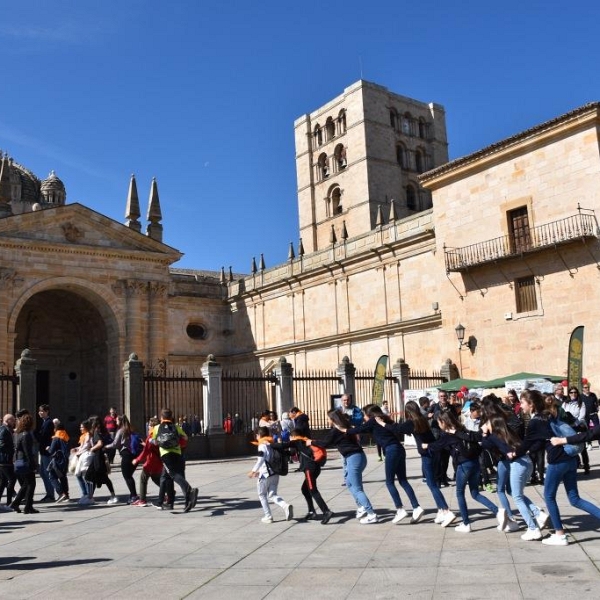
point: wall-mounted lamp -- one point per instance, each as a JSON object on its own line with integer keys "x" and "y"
{"x": 471, "y": 342}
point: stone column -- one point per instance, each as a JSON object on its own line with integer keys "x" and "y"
{"x": 133, "y": 374}
{"x": 449, "y": 370}
{"x": 213, "y": 407}
{"x": 400, "y": 372}
{"x": 285, "y": 386}
{"x": 346, "y": 371}
{"x": 26, "y": 369}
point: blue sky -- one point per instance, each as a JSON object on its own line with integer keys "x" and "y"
{"x": 203, "y": 95}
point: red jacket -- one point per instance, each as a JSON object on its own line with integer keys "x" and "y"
{"x": 149, "y": 458}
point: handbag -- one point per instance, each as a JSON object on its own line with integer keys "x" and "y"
{"x": 73, "y": 460}
{"x": 21, "y": 466}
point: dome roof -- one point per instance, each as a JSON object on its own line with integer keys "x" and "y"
{"x": 52, "y": 183}
{"x": 30, "y": 184}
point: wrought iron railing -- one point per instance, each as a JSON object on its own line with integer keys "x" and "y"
{"x": 576, "y": 227}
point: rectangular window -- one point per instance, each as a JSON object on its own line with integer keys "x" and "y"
{"x": 525, "y": 295}
{"x": 518, "y": 227}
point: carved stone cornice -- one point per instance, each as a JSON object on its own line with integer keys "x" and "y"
{"x": 158, "y": 289}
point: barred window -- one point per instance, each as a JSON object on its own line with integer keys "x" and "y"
{"x": 525, "y": 294}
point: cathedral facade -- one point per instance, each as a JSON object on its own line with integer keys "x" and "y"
{"x": 398, "y": 246}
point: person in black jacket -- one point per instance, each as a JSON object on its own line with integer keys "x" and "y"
{"x": 464, "y": 448}
{"x": 300, "y": 420}
{"x": 395, "y": 458}
{"x": 7, "y": 454}
{"x": 44, "y": 438}
{"x": 25, "y": 465}
{"x": 355, "y": 463}
{"x": 562, "y": 468}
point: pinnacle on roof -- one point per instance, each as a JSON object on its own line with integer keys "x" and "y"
{"x": 132, "y": 210}
{"x": 154, "y": 214}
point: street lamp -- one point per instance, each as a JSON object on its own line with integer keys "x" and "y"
{"x": 471, "y": 343}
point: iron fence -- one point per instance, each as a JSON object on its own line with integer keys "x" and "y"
{"x": 418, "y": 380}
{"x": 183, "y": 394}
{"x": 8, "y": 393}
{"x": 313, "y": 393}
{"x": 247, "y": 396}
{"x": 363, "y": 383}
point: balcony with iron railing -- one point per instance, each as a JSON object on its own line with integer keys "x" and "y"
{"x": 574, "y": 228}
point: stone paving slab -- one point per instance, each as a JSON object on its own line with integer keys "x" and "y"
{"x": 222, "y": 550}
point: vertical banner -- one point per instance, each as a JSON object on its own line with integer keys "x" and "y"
{"x": 379, "y": 380}
{"x": 575, "y": 366}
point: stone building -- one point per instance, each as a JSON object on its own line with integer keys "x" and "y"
{"x": 398, "y": 246}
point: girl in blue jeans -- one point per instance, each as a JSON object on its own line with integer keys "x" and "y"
{"x": 464, "y": 449}
{"x": 561, "y": 468}
{"x": 395, "y": 458}
{"x": 423, "y": 435}
{"x": 355, "y": 462}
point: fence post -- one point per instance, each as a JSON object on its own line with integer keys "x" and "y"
{"x": 285, "y": 386}
{"x": 346, "y": 372}
{"x": 212, "y": 373}
{"x": 400, "y": 372}
{"x": 26, "y": 369}
{"x": 449, "y": 370}
{"x": 133, "y": 392}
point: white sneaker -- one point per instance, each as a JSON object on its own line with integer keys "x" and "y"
{"x": 372, "y": 518}
{"x": 112, "y": 500}
{"x": 542, "y": 519}
{"x": 289, "y": 512}
{"x": 463, "y": 528}
{"x": 439, "y": 517}
{"x": 400, "y": 514}
{"x": 531, "y": 535}
{"x": 361, "y": 512}
{"x": 449, "y": 518}
{"x": 267, "y": 520}
{"x": 511, "y": 526}
{"x": 502, "y": 518}
{"x": 556, "y": 540}
{"x": 417, "y": 514}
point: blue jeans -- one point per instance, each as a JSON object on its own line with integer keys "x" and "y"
{"x": 565, "y": 472}
{"x": 355, "y": 465}
{"x": 395, "y": 467}
{"x": 467, "y": 473}
{"x": 504, "y": 485}
{"x": 44, "y": 462}
{"x": 520, "y": 473}
{"x": 429, "y": 474}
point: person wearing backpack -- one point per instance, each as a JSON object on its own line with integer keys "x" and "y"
{"x": 169, "y": 436}
{"x": 265, "y": 472}
{"x": 464, "y": 449}
{"x": 561, "y": 466}
{"x": 57, "y": 468}
{"x": 129, "y": 445}
{"x": 312, "y": 469}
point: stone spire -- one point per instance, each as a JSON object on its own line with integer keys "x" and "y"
{"x": 344, "y": 231}
{"x": 291, "y": 253}
{"x": 5, "y": 189}
{"x": 393, "y": 213}
{"x": 379, "y": 219}
{"x": 332, "y": 236}
{"x": 154, "y": 229}
{"x": 132, "y": 210}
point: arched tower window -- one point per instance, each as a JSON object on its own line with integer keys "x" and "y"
{"x": 420, "y": 160}
{"x": 330, "y": 129}
{"x": 411, "y": 197}
{"x": 342, "y": 122}
{"x": 402, "y": 156}
{"x": 323, "y": 167}
{"x": 423, "y": 128}
{"x": 340, "y": 157}
{"x": 334, "y": 201}
{"x": 393, "y": 119}
{"x": 406, "y": 123}
{"x": 318, "y": 135}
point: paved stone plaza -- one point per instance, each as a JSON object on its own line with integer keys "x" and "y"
{"x": 222, "y": 550}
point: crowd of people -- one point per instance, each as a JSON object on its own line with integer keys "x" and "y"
{"x": 511, "y": 438}
{"x": 26, "y": 450}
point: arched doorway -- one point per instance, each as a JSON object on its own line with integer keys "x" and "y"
{"x": 70, "y": 340}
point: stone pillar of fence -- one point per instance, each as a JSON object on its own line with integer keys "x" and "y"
{"x": 400, "y": 372}
{"x": 133, "y": 392}
{"x": 346, "y": 371}
{"x": 212, "y": 373}
{"x": 284, "y": 399}
{"x": 26, "y": 369}
{"x": 449, "y": 370}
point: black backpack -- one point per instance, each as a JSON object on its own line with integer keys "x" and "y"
{"x": 167, "y": 436}
{"x": 278, "y": 465}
